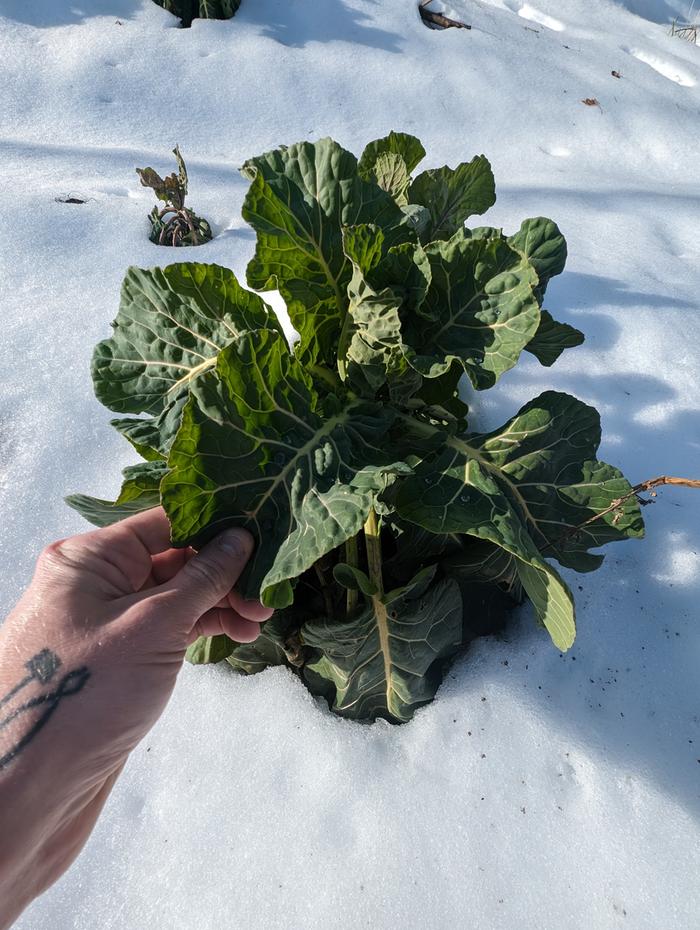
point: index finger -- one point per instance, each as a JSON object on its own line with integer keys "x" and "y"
{"x": 150, "y": 527}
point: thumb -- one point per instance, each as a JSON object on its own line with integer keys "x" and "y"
{"x": 207, "y": 577}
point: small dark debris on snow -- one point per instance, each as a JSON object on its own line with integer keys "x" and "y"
{"x": 616, "y": 74}
{"x": 435, "y": 20}
{"x": 591, "y": 102}
{"x": 69, "y": 198}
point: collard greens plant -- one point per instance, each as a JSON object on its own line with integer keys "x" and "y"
{"x": 188, "y": 10}
{"x": 388, "y": 533}
{"x": 174, "y": 224}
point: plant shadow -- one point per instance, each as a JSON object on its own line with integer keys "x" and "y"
{"x": 45, "y": 13}
{"x": 330, "y": 21}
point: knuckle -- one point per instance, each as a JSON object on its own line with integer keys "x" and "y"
{"x": 207, "y": 571}
{"x": 55, "y": 555}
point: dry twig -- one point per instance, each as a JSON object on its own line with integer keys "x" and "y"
{"x": 637, "y": 489}
{"x": 432, "y": 19}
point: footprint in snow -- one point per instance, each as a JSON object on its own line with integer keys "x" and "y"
{"x": 556, "y": 151}
{"x": 663, "y": 67}
{"x": 531, "y": 13}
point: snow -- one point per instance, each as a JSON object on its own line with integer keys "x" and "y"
{"x": 537, "y": 791}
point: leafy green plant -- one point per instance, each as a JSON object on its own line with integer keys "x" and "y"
{"x": 174, "y": 224}
{"x": 188, "y": 10}
{"x": 388, "y": 533}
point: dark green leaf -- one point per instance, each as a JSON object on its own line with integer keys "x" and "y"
{"x": 384, "y": 661}
{"x": 541, "y": 242}
{"x": 391, "y": 174}
{"x": 353, "y": 578}
{"x": 299, "y": 200}
{"x": 452, "y": 195}
{"x": 552, "y": 338}
{"x": 208, "y": 650}
{"x": 405, "y": 146}
{"x": 479, "y": 561}
{"x": 140, "y": 491}
{"x": 277, "y": 644}
{"x": 480, "y": 310}
{"x": 256, "y": 448}
{"x": 545, "y": 458}
{"x": 171, "y": 325}
{"x": 455, "y": 494}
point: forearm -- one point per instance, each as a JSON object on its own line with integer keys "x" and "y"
{"x": 41, "y": 835}
{"x": 43, "y": 780}
{"x": 88, "y": 661}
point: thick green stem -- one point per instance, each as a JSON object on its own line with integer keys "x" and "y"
{"x": 352, "y": 558}
{"x": 373, "y": 544}
{"x": 325, "y": 590}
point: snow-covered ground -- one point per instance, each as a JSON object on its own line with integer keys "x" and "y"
{"x": 537, "y": 791}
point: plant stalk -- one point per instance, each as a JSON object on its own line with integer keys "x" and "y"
{"x": 352, "y": 558}
{"x": 373, "y": 544}
{"x": 325, "y": 374}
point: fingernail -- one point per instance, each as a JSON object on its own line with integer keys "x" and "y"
{"x": 236, "y": 542}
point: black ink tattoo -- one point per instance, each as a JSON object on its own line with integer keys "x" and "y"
{"x": 42, "y": 668}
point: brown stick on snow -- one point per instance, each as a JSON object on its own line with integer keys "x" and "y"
{"x": 439, "y": 19}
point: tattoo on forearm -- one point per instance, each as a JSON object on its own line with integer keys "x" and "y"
{"x": 41, "y": 668}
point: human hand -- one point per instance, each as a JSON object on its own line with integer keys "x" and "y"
{"x": 88, "y": 660}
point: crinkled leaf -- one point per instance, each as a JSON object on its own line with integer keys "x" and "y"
{"x": 277, "y": 644}
{"x": 438, "y": 399}
{"x": 391, "y": 174}
{"x": 257, "y": 449}
{"x": 171, "y": 325}
{"x": 298, "y": 202}
{"x": 545, "y": 458}
{"x": 385, "y": 283}
{"x": 403, "y": 268}
{"x": 140, "y": 491}
{"x": 407, "y": 147}
{"x": 452, "y": 195}
{"x": 454, "y": 494}
{"x": 481, "y": 561}
{"x": 375, "y": 353}
{"x": 415, "y": 587}
{"x": 415, "y": 548}
{"x": 208, "y": 650}
{"x": 172, "y": 189}
{"x": 541, "y": 242}
{"x": 552, "y": 338}
{"x": 480, "y": 310}
{"x": 417, "y": 218}
{"x": 384, "y": 661}
{"x": 181, "y": 169}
